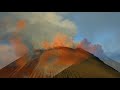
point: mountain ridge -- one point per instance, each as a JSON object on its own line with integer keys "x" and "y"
{"x": 49, "y": 63}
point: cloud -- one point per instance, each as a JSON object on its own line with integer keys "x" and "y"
{"x": 19, "y": 47}
{"x": 60, "y": 40}
{"x": 95, "y": 49}
{"x": 44, "y": 26}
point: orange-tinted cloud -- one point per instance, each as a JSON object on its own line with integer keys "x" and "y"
{"x": 88, "y": 46}
{"x": 60, "y": 40}
{"x": 19, "y": 46}
{"x": 21, "y": 24}
{"x": 46, "y": 45}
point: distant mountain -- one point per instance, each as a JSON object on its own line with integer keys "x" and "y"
{"x": 53, "y": 62}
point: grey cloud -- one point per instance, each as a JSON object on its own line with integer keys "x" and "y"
{"x": 44, "y": 26}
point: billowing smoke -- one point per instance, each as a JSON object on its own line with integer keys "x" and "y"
{"x": 39, "y": 27}
{"x": 95, "y": 49}
{"x": 44, "y": 27}
{"x": 60, "y": 40}
{"x": 20, "y": 48}
{"x": 15, "y": 44}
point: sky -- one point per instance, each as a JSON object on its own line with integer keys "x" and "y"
{"x": 101, "y": 28}
{"x": 98, "y": 27}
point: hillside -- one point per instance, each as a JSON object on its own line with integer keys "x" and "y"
{"x": 58, "y": 63}
{"x": 53, "y": 61}
{"x": 21, "y": 68}
{"x": 14, "y": 67}
{"x": 113, "y": 64}
{"x": 91, "y": 68}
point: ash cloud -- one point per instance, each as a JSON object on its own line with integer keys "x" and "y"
{"x": 40, "y": 26}
{"x": 95, "y": 49}
{"x": 44, "y": 26}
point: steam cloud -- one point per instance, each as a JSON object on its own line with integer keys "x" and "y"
{"x": 94, "y": 49}
{"x": 44, "y": 26}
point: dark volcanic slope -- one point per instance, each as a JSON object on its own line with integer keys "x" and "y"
{"x": 14, "y": 67}
{"x": 46, "y": 65}
{"x": 58, "y": 62}
{"x": 20, "y": 68}
{"x": 53, "y": 61}
{"x": 91, "y": 68}
{"x": 27, "y": 69}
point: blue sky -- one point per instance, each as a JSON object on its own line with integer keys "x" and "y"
{"x": 98, "y": 27}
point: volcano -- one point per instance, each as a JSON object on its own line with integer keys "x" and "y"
{"x": 61, "y": 62}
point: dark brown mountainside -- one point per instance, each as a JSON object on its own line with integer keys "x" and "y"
{"x": 59, "y": 63}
